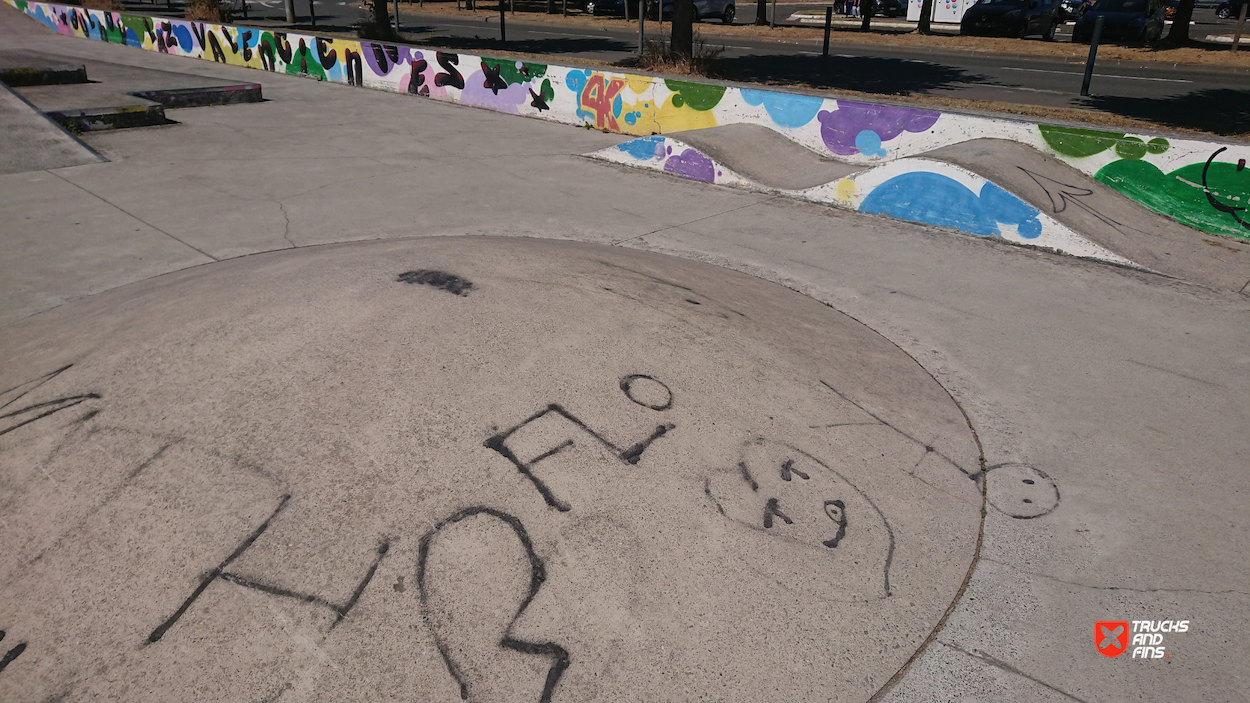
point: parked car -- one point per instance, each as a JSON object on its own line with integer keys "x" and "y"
{"x": 724, "y": 9}
{"x": 1070, "y": 9}
{"x": 891, "y": 8}
{"x": 1228, "y": 9}
{"x": 1012, "y": 18}
{"x": 1131, "y": 20}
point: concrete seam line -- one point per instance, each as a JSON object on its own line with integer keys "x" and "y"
{"x": 136, "y": 217}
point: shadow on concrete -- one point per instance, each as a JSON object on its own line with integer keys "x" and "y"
{"x": 555, "y": 45}
{"x": 1223, "y": 111}
{"x": 871, "y": 75}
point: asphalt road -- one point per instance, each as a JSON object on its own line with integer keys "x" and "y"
{"x": 1202, "y": 97}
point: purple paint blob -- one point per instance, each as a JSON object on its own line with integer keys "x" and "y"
{"x": 693, "y": 165}
{"x": 839, "y": 128}
{"x": 476, "y": 93}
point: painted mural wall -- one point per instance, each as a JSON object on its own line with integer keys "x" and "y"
{"x": 1201, "y": 184}
{"x": 913, "y": 188}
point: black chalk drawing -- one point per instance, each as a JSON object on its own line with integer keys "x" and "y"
{"x": 771, "y": 508}
{"x": 928, "y": 449}
{"x": 648, "y": 386}
{"x": 835, "y": 509}
{"x": 1227, "y": 209}
{"x": 1021, "y": 491}
{"x": 340, "y": 610}
{"x": 12, "y": 654}
{"x": 630, "y": 455}
{"x": 1062, "y": 194}
{"x": 12, "y": 419}
{"x": 538, "y": 575}
{"x": 449, "y": 282}
{"x": 686, "y": 291}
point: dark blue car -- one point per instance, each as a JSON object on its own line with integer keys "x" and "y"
{"x": 1129, "y": 20}
{"x": 1012, "y": 18}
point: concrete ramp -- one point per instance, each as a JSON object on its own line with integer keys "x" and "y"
{"x": 1104, "y": 215}
{"x": 29, "y": 141}
{"x": 765, "y": 156}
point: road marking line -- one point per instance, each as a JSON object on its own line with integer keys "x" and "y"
{"x": 1100, "y": 75}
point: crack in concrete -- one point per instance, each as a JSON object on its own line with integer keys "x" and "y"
{"x": 1115, "y": 588}
{"x": 1004, "y": 666}
{"x": 133, "y": 216}
{"x": 286, "y": 224}
{"x": 700, "y": 219}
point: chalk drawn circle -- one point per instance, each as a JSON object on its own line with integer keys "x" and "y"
{"x": 303, "y": 407}
{"x": 1021, "y": 491}
{"x": 647, "y": 391}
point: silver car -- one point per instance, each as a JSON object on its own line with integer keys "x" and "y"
{"x": 724, "y": 9}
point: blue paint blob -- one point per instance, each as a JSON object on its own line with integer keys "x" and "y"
{"x": 869, "y": 143}
{"x": 631, "y": 118}
{"x": 923, "y": 196}
{"x": 789, "y": 111}
{"x": 644, "y": 148}
{"x": 617, "y": 106}
{"x": 183, "y": 36}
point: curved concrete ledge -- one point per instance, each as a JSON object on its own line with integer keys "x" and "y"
{"x": 912, "y": 189}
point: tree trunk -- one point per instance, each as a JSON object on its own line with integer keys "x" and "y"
{"x": 682, "y": 40}
{"x": 1179, "y": 33}
{"x": 866, "y": 8}
{"x": 761, "y": 12}
{"x": 381, "y": 16}
{"x": 926, "y": 14}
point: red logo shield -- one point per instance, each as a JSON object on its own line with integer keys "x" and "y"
{"x": 1111, "y": 637}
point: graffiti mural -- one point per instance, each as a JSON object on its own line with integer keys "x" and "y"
{"x": 1200, "y": 184}
{"x": 912, "y": 189}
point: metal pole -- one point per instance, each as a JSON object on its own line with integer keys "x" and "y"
{"x": 396, "y": 15}
{"x": 290, "y": 11}
{"x": 626, "y": 10}
{"x": 1093, "y": 54}
{"x": 773, "y": 22}
{"x": 1241, "y": 24}
{"x": 503, "y": 30}
{"x": 828, "y": 26}
{"x": 564, "y": 8}
{"x": 642, "y": 23}
{"x": 312, "y": 12}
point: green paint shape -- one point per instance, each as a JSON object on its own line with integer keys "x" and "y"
{"x": 1158, "y": 145}
{"x": 305, "y": 62}
{"x": 548, "y": 93}
{"x": 512, "y": 75}
{"x": 1078, "y": 143}
{"x": 135, "y": 23}
{"x": 696, "y": 96}
{"x": 1130, "y": 148}
{"x": 1180, "y": 194}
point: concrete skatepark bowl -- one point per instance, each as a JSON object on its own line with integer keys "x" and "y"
{"x": 478, "y": 468}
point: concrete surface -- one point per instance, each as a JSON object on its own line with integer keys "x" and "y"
{"x": 33, "y": 142}
{"x": 1120, "y": 394}
{"x": 765, "y": 156}
{"x": 1106, "y": 217}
